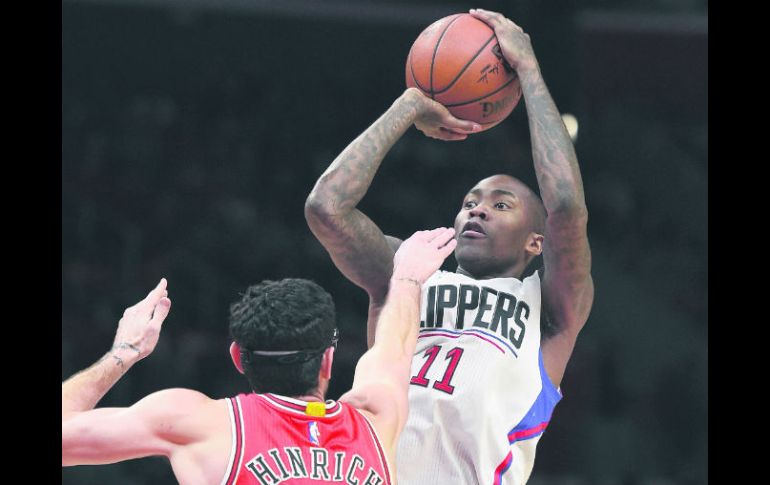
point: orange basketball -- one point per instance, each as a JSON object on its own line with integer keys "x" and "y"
{"x": 457, "y": 61}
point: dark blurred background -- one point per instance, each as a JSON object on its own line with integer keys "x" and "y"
{"x": 192, "y": 132}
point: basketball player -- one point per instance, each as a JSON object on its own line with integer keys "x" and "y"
{"x": 284, "y": 340}
{"x": 494, "y": 340}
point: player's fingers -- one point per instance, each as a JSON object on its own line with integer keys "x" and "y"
{"x": 437, "y": 238}
{"x": 459, "y": 126}
{"x": 153, "y": 296}
{"x": 448, "y": 135}
{"x": 420, "y": 235}
{"x": 447, "y": 249}
{"x": 160, "y": 312}
{"x": 433, "y": 233}
{"x": 436, "y": 232}
{"x": 494, "y": 19}
{"x": 452, "y": 137}
{"x": 443, "y": 237}
{"x": 435, "y": 134}
{"x": 160, "y": 287}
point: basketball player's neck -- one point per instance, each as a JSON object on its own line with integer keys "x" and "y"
{"x": 316, "y": 395}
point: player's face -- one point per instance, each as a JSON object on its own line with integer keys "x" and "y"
{"x": 492, "y": 226}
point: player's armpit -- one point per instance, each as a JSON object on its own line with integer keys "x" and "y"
{"x": 384, "y": 406}
{"x": 567, "y": 282}
{"x": 377, "y": 301}
{"x": 568, "y": 289}
{"x": 381, "y": 387}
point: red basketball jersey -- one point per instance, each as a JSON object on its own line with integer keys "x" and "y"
{"x": 276, "y": 441}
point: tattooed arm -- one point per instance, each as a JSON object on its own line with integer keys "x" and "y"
{"x": 106, "y": 435}
{"x": 135, "y": 339}
{"x": 183, "y": 425}
{"x": 568, "y": 288}
{"x": 356, "y": 245}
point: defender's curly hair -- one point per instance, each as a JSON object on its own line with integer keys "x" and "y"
{"x": 290, "y": 314}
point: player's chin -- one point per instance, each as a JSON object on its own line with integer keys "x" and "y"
{"x": 472, "y": 249}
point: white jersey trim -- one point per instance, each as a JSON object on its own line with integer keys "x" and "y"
{"x": 243, "y": 440}
{"x": 234, "y": 433}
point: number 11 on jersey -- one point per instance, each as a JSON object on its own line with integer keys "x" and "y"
{"x": 444, "y": 385}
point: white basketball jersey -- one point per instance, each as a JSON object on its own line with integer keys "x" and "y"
{"x": 479, "y": 396}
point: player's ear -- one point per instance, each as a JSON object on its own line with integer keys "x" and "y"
{"x": 534, "y": 244}
{"x": 326, "y": 363}
{"x": 235, "y": 354}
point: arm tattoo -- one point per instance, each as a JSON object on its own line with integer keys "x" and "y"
{"x": 357, "y": 246}
{"x": 554, "y": 155}
{"x": 126, "y": 345}
{"x": 347, "y": 179}
{"x": 568, "y": 287}
{"x": 118, "y": 360}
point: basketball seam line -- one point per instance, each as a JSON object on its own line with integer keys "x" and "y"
{"x": 465, "y": 67}
{"x": 485, "y": 96}
{"x": 414, "y": 78}
{"x": 435, "y": 50}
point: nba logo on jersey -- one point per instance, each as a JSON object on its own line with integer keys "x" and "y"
{"x": 312, "y": 432}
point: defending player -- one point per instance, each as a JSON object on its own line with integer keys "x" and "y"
{"x": 284, "y": 340}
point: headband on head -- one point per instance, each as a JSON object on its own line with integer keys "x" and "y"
{"x": 286, "y": 357}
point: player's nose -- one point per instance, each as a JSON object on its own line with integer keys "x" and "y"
{"x": 479, "y": 211}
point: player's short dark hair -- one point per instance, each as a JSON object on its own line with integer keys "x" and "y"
{"x": 287, "y": 315}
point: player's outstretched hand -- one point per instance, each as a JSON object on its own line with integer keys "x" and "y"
{"x": 139, "y": 329}
{"x": 422, "y": 254}
{"x": 514, "y": 42}
{"x": 435, "y": 121}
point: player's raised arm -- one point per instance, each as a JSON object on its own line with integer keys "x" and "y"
{"x": 107, "y": 435}
{"x": 135, "y": 339}
{"x": 381, "y": 381}
{"x": 567, "y": 285}
{"x": 356, "y": 245}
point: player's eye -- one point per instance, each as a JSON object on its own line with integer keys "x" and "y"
{"x": 502, "y": 205}
{"x": 469, "y": 204}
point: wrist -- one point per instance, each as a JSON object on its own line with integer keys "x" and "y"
{"x": 405, "y": 281}
{"x": 124, "y": 355}
{"x": 411, "y": 95}
{"x": 405, "y": 289}
{"x": 528, "y": 71}
{"x": 411, "y": 100}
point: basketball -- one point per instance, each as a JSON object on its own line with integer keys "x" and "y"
{"x": 457, "y": 61}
